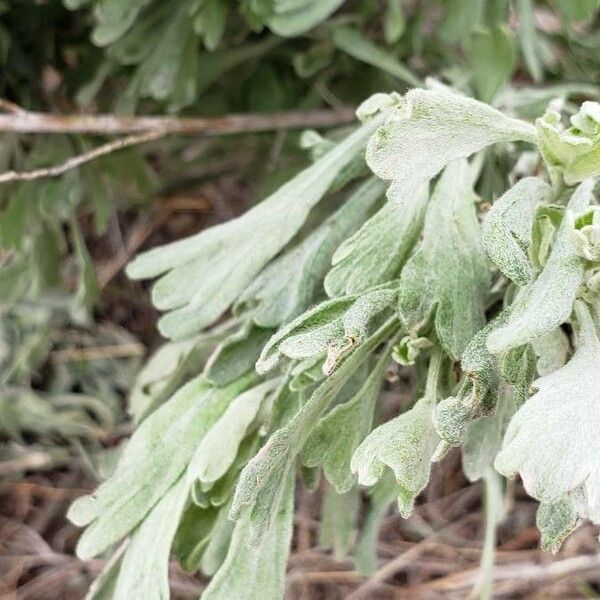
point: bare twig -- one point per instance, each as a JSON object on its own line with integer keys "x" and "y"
{"x": 36, "y": 122}
{"x": 11, "y": 107}
{"x": 80, "y": 159}
{"x": 96, "y": 353}
{"x": 140, "y": 130}
{"x": 523, "y": 575}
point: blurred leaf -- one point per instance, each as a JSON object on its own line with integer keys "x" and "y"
{"x": 353, "y": 43}
{"x": 491, "y": 52}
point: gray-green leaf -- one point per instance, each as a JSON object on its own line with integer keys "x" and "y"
{"x": 552, "y": 439}
{"x": 153, "y": 460}
{"x": 205, "y": 274}
{"x": 376, "y": 252}
{"x": 548, "y": 302}
{"x": 340, "y": 432}
{"x": 447, "y": 277}
{"x": 428, "y": 129}
{"x": 507, "y": 228}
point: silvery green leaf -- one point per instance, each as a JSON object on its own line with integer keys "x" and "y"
{"x": 352, "y": 42}
{"x": 260, "y": 482}
{"x": 103, "y": 587}
{"x": 377, "y": 103}
{"x": 218, "y": 493}
{"x": 368, "y": 305}
{"x": 340, "y": 431}
{"x": 165, "y": 371}
{"x": 482, "y": 438}
{"x": 204, "y": 274}
{"x": 217, "y": 450}
{"x": 548, "y": 302}
{"x": 257, "y": 572}
{"x": 339, "y": 515}
{"x": 193, "y": 535}
{"x": 447, "y": 278}
{"x": 556, "y": 521}
{"x": 545, "y": 228}
{"x": 551, "y": 440}
{"x": 292, "y": 19}
{"x": 552, "y": 350}
{"x": 428, "y": 129}
{"x": 144, "y": 569}
{"x": 381, "y": 496}
{"x": 507, "y": 228}
{"x": 517, "y": 367}
{"x": 307, "y": 335}
{"x": 153, "y": 460}
{"x": 405, "y": 445}
{"x": 376, "y": 252}
{"x": 574, "y": 151}
{"x": 334, "y": 327}
{"x": 290, "y": 283}
{"x": 236, "y": 354}
{"x": 216, "y": 549}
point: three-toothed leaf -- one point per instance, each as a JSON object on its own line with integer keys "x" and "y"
{"x": 257, "y": 572}
{"x": 341, "y": 430}
{"x": 144, "y": 569}
{"x": 376, "y": 252}
{"x": 447, "y": 278}
{"x": 291, "y": 282}
{"x": 204, "y": 274}
{"x": 153, "y": 460}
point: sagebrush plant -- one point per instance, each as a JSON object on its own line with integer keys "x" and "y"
{"x": 284, "y": 321}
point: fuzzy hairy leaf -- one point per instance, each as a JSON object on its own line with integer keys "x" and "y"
{"x": 236, "y": 355}
{"x": 507, "y": 228}
{"x": 551, "y": 440}
{"x": 428, "y": 129}
{"x": 405, "y": 445}
{"x": 144, "y": 569}
{"x": 308, "y": 335}
{"x": 290, "y": 283}
{"x": 376, "y": 252}
{"x": 218, "y": 449}
{"x": 260, "y": 481}
{"x": 165, "y": 371}
{"x": 482, "y": 438}
{"x": 447, "y": 277}
{"x": 257, "y": 572}
{"x": 552, "y": 350}
{"x": 153, "y": 460}
{"x": 204, "y": 274}
{"x": 556, "y": 521}
{"x": 334, "y": 327}
{"x": 548, "y": 302}
{"x": 340, "y": 431}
